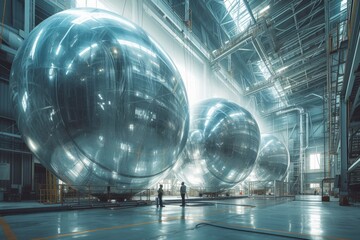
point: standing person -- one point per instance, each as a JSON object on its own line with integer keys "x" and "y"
{"x": 182, "y": 193}
{"x": 160, "y": 195}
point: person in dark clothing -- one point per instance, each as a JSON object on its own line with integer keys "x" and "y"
{"x": 160, "y": 195}
{"x": 182, "y": 193}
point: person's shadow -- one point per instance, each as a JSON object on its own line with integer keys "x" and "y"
{"x": 182, "y": 217}
{"x": 159, "y": 210}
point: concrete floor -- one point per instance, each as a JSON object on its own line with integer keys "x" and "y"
{"x": 246, "y": 218}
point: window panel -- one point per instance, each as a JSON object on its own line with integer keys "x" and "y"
{"x": 314, "y": 162}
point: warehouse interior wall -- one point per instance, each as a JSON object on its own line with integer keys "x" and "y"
{"x": 201, "y": 82}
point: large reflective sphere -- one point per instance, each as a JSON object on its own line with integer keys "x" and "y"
{"x": 98, "y": 101}
{"x": 273, "y": 160}
{"x": 222, "y": 146}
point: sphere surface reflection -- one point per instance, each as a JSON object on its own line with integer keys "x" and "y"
{"x": 273, "y": 160}
{"x": 98, "y": 101}
{"x": 221, "y": 148}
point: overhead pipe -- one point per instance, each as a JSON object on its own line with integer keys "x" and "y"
{"x": 10, "y": 37}
{"x": 301, "y": 136}
{"x": 10, "y": 134}
{"x": 14, "y": 151}
{"x": 13, "y": 42}
{"x": 231, "y": 47}
{"x": 265, "y": 85}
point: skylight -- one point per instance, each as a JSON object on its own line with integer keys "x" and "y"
{"x": 264, "y": 70}
{"x": 343, "y": 5}
{"x": 86, "y": 3}
{"x": 239, "y": 14}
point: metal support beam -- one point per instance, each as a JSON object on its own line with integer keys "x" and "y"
{"x": 354, "y": 166}
{"x": 186, "y": 38}
{"x": 14, "y": 151}
{"x": 353, "y": 48}
{"x": 10, "y": 135}
{"x": 231, "y": 47}
{"x": 229, "y": 64}
{"x": 344, "y": 154}
{"x": 279, "y": 14}
{"x": 248, "y": 8}
{"x": 355, "y": 62}
{"x": 258, "y": 88}
{"x": 187, "y": 11}
{"x": 217, "y": 18}
{"x": 7, "y": 49}
{"x": 262, "y": 54}
{"x": 29, "y": 16}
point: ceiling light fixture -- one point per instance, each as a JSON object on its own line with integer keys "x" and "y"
{"x": 264, "y": 9}
{"x": 281, "y": 69}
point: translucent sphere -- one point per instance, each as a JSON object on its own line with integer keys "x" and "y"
{"x": 98, "y": 102}
{"x": 273, "y": 160}
{"x": 222, "y": 146}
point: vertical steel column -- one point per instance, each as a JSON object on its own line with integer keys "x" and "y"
{"x": 301, "y": 139}
{"x": 229, "y": 69}
{"x": 32, "y": 173}
{"x": 29, "y": 16}
{"x": 328, "y": 84}
{"x": 343, "y": 199}
{"x": 248, "y": 8}
{"x": 187, "y": 11}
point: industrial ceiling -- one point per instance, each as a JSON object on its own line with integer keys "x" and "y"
{"x": 285, "y": 53}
